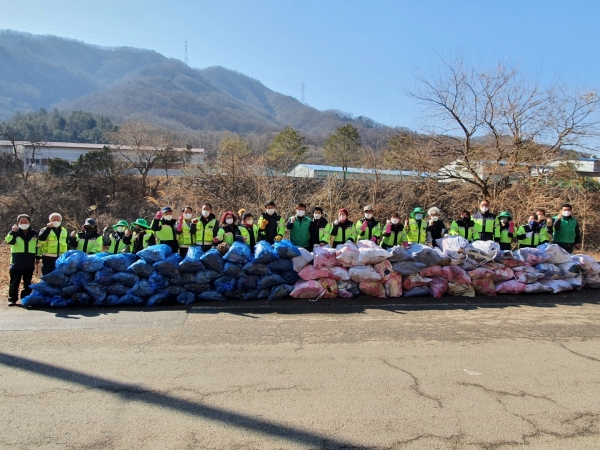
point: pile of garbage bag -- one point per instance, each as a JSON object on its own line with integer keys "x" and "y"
{"x": 156, "y": 276}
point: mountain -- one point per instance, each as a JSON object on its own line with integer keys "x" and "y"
{"x": 127, "y": 83}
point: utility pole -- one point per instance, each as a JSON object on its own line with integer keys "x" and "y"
{"x": 185, "y": 58}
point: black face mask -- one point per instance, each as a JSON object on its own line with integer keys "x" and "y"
{"x": 89, "y": 230}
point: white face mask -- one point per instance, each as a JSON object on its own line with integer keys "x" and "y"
{"x": 484, "y": 209}
{"x": 395, "y": 221}
{"x": 24, "y": 226}
{"x": 229, "y": 221}
{"x": 503, "y": 220}
{"x": 341, "y": 217}
{"x": 270, "y": 211}
{"x": 205, "y": 213}
{"x": 418, "y": 216}
{"x": 249, "y": 222}
{"x": 168, "y": 217}
{"x": 368, "y": 215}
{"x": 566, "y": 213}
{"x": 300, "y": 212}
{"x": 187, "y": 216}
{"x": 56, "y": 224}
{"x": 317, "y": 216}
{"x": 120, "y": 229}
{"x": 434, "y": 218}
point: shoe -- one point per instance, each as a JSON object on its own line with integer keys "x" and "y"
{"x": 11, "y": 303}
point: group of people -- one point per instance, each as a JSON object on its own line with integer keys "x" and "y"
{"x": 29, "y": 247}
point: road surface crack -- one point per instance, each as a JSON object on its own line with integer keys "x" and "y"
{"x": 416, "y": 386}
{"x": 591, "y": 358}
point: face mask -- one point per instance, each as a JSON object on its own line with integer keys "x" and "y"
{"x": 229, "y": 221}
{"x": 434, "y": 218}
{"x": 418, "y": 216}
{"x": 120, "y": 229}
{"x": 465, "y": 218}
{"x": 565, "y": 213}
{"x": 300, "y": 212}
{"x": 484, "y": 209}
{"x": 395, "y": 221}
{"x": 56, "y": 223}
{"x": 89, "y": 229}
{"x": 187, "y": 216}
{"x": 24, "y": 226}
{"x": 205, "y": 213}
{"x": 168, "y": 218}
{"x": 531, "y": 223}
{"x": 270, "y": 211}
{"x": 503, "y": 220}
{"x": 341, "y": 218}
{"x": 368, "y": 215}
{"x": 249, "y": 222}
{"x": 317, "y": 216}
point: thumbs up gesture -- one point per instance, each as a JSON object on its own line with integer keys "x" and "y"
{"x": 15, "y": 228}
{"x": 73, "y": 234}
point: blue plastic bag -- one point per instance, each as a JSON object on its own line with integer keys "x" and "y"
{"x": 290, "y": 277}
{"x": 117, "y": 289}
{"x": 169, "y": 267}
{"x": 160, "y": 298}
{"x": 281, "y": 265}
{"x": 158, "y": 282}
{"x": 186, "y": 298}
{"x": 155, "y": 253}
{"x": 59, "y": 302}
{"x": 81, "y": 278}
{"x": 93, "y": 263}
{"x": 130, "y": 300}
{"x": 224, "y": 284}
{"x": 70, "y": 261}
{"x": 109, "y": 300}
{"x": 191, "y": 262}
{"x": 128, "y": 279}
{"x": 247, "y": 282}
{"x": 263, "y": 253}
{"x": 257, "y": 294}
{"x": 213, "y": 260}
{"x": 285, "y": 249}
{"x": 45, "y": 289}
{"x": 254, "y": 268}
{"x": 269, "y": 281}
{"x": 207, "y": 276}
{"x": 36, "y": 300}
{"x": 70, "y": 291}
{"x": 56, "y": 279}
{"x": 82, "y": 298}
{"x": 232, "y": 270}
{"x": 140, "y": 268}
{"x": 211, "y": 296}
{"x": 142, "y": 289}
{"x": 175, "y": 290}
{"x": 197, "y": 288}
{"x": 120, "y": 262}
{"x": 96, "y": 291}
{"x": 280, "y": 292}
{"x": 186, "y": 278}
{"x": 238, "y": 253}
{"x": 104, "y": 276}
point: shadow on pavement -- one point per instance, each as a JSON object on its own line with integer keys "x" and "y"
{"x": 137, "y": 393}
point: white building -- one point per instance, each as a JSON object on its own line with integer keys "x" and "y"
{"x": 353, "y": 173}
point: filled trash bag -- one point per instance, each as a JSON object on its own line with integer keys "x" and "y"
{"x": 311, "y": 273}
{"x": 238, "y": 253}
{"x": 347, "y": 255}
{"x": 80, "y": 279}
{"x": 93, "y": 263}
{"x": 140, "y": 268}
{"x": 169, "y": 267}
{"x": 438, "y": 287}
{"x": 576, "y": 282}
{"x": 393, "y": 286}
{"x": 45, "y": 289}
{"x": 206, "y": 276}
{"x": 59, "y": 302}
{"x": 413, "y": 281}
{"x": 82, "y": 298}
{"x": 325, "y": 257}
{"x": 330, "y": 286}
{"x": 257, "y": 294}
{"x": 372, "y": 289}
{"x": 510, "y": 287}
{"x": 362, "y": 274}
{"x": 127, "y": 279}
{"x": 254, "y": 268}
{"x": 503, "y": 274}
{"x": 117, "y": 289}
{"x": 175, "y": 290}
{"x": 421, "y": 291}
{"x": 470, "y": 264}
{"x": 484, "y": 285}
{"x": 285, "y": 249}
{"x": 142, "y": 289}
{"x": 509, "y": 259}
{"x": 120, "y": 262}
{"x": 408, "y": 267}
{"x": 247, "y": 282}
{"x": 280, "y": 292}
{"x": 527, "y": 275}
{"x": 36, "y": 300}
{"x": 350, "y": 287}
{"x": 224, "y": 284}
{"x": 592, "y": 281}
{"x": 130, "y": 300}
{"x": 532, "y": 256}
{"x": 483, "y": 251}
{"x": 197, "y": 288}
{"x": 300, "y": 261}
{"x": 339, "y": 273}
{"x": 160, "y": 298}
{"x": 211, "y": 296}
{"x": 460, "y": 290}
{"x": 70, "y": 291}
{"x": 432, "y": 271}
{"x": 291, "y": 277}
{"x": 70, "y": 261}
{"x": 186, "y": 278}
{"x": 269, "y": 281}
{"x": 557, "y": 254}
{"x": 186, "y": 298}
{"x": 537, "y": 288}
{"x": 371, "y": 253}
{"x": 232, "y": 270}
{"x": 570, "y": 269}
{"x": 456, "y": 274}
{"x": 96, "y": 291}
{"x": 307, "y": 289}
{"x": 109, "y": 300}
{"x": 456, "y": 247}
{"x": 158, "y": 282}
{"x": 557, "y": 285}
{"x": 56, "y": 279}
{"x": 155, "y": 253}
{"x": 431, "y": 257}
{"x": 264, "y": 253}
{"x": 281, "y": 265}
{"x": 384, "y": 269}
{"x": 191, "y": 262}
{"x": 398, "y": 254}
{"x": 213, "y": 260}
{"x": 550, "y": 271}
{"x": 588, "y": 264}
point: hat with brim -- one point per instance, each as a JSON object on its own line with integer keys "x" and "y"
{"x": 367, "y": 208}
{"x": 504, "y": 214}
{"x": 121, "y": 223}
{"x": 418, "y": 209}
{"x": 142, "y": 223}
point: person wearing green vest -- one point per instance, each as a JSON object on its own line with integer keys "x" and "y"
{"x": 248, "y": 229}
{"x": 119, "y": 241}
{"x": 464, "y": 227}
{"x": 505, "y": 231}
{"x": 394, "y": 233}
{"x": 88, "y": 240}
{"x": 533, "y": 233}
{"x": 163, "y": 226}
{"x": 320, "y": 229}
{"x": 205, "y": 228}
{"x": 228, "y": 230}
{"x": 566, "y": 229}
{"x": 271, "y": 226}
{"x": 24, "y": 257}
{"x": 299, "y": 226}
{"x": 143, "y": 237}
{"x": 485, "y": 222}
{"x": 416, "y": 227}
{"x": 52, "y": 241}
{"x": 184, "y": 228}
{"x": 343, "y": 229}
{"x": 368, "y": 228}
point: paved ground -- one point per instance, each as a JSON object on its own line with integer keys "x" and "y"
{"x": 303, "y": 375}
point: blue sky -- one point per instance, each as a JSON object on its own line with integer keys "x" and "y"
{"x": 356, "y": 56}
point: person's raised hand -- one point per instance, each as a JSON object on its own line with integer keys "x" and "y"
{"x": 15, "y": 228}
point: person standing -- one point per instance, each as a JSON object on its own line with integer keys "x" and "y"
{"x": 271, "y": 226}
{"x": 52, "y": 241}
{"x": 320, "y": 229}
{"x": 368, "y": 228}
{"x": 544, "y": 222}
{"x": 436, "y": 229}
{"x": 485, "y": 222}
{"x": 394, "y": 233}
{"x": 143, "y": 237}
{"x": 533, "y": 233}
{"x": 248, "y": 229}
{"x": 343, "y": 229}
{"x": 119, "y": 241}
{"x": 416, "y": 227}
{"x": 299, "y": 226}
{"x": 566, "y": 229}
{"x": 24, "y": 257}
{"x": 88, "y": 240}
{"x": 163, "y": 226}
{"x": 205, "y": 228}
{"x": 184, "y": 228}
{"x": 228, "y": 230}
{"x": 464, "y": 227}
{"x": 505, "y": 231}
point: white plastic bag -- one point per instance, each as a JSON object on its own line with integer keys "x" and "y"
{"x": 570, "y": 269}
{"x": 324, "y": 257}
{"x": 455, "y": 247}
{"x": 361, "y": 274}
{"x": 550, "y": 271}
{"x": 347, "y": 255}
{"x": 576, "y": 282}
{"x": 483, "y": 250}
{"x": 588, "y": 264}
{"x": 537, "y": 288}
{"x": 593, "y": 281}
{"x": 558, "y": 255}
{"x": 398, "y": 254}
{"x": 371, "y": 253}
{"x": 557, "y": 285}
{"x": 302, "y": 260}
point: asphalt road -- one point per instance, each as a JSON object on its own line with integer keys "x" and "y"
{"x": 335, "y": 374}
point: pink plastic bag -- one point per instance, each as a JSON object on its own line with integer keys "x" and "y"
{"x": 372, "y": 289}
{"x": 413, "y": 281}
{"x": 324, "y": 257}
{"x": 310, "y": 273}
{"x": 307, "y": 289}
{"x": 339, "y": 273}
{"x": 432, "y": 271}
{"x": 330, "y": 286}
{"x": 480, "y": 272}
{"x": 347, "y": 255}
{"x": 438, "y": 286}
{"x": 484, "y": 286}
{"x": 503, "y": 274}
{"x": 393, "y": 286}
{"x": 384, "y": 269}
{"x": 510, "y": 287}
{"x": 456, "y": 274}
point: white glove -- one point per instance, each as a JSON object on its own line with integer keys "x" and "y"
{"x": 15, "y": 228}
{"x": 529, "y": 234}
{"x": 73, "y": 234}
{"x": 335, "y": 222}
{"x": 293, "y": 219}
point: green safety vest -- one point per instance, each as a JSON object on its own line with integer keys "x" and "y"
{"x": 325, "y": 233}
{"x": 415, "y": 233}
{"x": 369, "y": 232}
{"x": 226, "y": 236}
{"x": 18, "y": 247}
{"x": 246, "y": 234}
{"x": 502, "y": 235}
{"x": 343, "y": 235}
{"x": 53, "y": 246}
{"x": 185, "y": 237}
{"x": 470, "y": 234}
{"x": 166, "y": 233}
{"x": 145, "y": 238}
{"x": 395, "y": 238}
{"x": 117, "y": 246}
{"x": 566, "y": 232}
{"x": 205, "y": 233}
{"x": 300, "y": 232}
{"x": 535, "y": 239}
{"x": 93, "y": 246}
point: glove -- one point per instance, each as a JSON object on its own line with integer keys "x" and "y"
{"x": 179, "y": 225}
{"x": 374, "y": 239}
{"x": 511, "y": 227}
{"x": 364, "y": 226}
{"x": 263, "y": 224}
{"x": 293, "y": 219}
{"x": 388, "y": 227}
{"x": 405, "y": 245}
{"x": 216, "y": 240}
{"x": 335, "y": 222}
{"x": 529, "y": 234}
{"x": 159, "y": 215}
{"x": 73, "y": 234}
{"x": 278, "y": 238}
{"x": 15, "y": 228}
{"x": 194, "y": 220}
{"x": 431, "y": 223}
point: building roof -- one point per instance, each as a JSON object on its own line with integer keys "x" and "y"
{"x": 85, "y": 146}
{"x": 398, "y": 173}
